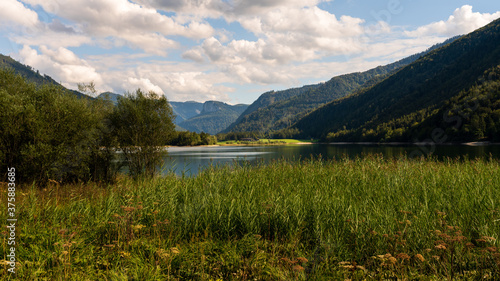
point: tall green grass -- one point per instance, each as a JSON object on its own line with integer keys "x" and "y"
{"x": 367, "y": 218}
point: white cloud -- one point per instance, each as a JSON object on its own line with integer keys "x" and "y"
{"x": 62, "y": 64}
{"x": 124, "y": 22}
{"x": 143, "y": 84}
{"x": 231, "y": 10}
{"x": 13, "y": 12}
{"x": 286, "y": 35}
{"x": 463, "y": 21}
{"x": 176, "y": 80}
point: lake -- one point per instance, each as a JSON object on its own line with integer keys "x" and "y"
{"x": 190, "y": 160}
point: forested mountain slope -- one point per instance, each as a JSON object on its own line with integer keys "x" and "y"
{"x": 401, "y": 106}
{"x": 31, "y": 74}
{"x": 286, "y": 111}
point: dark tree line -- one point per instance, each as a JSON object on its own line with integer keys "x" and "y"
{"x": 48, "y": 134}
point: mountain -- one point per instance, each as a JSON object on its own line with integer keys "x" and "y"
{"x": 214, "y": 117}
{"x": 428, "y": 99}
{"x": 186, "y": 110}
{"x": 31, "y": 74}
{"x": 278, "y": 110}
{"x": 109, "y": 96}
{"x": 270, "y": 98}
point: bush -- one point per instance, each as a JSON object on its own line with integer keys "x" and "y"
{"x": 47, "y": 133}
{"x": 142, "y": 124}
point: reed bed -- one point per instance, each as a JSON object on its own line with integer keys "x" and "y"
{"x": 367, "y": 218}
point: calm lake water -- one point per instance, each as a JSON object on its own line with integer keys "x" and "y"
{"x": 190, "y": 160}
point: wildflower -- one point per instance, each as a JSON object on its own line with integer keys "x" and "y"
{"x": 138, "y": 227}
{"x": 128, "y": 209}
{"x": 298, "y": 268}
{"x": 420, "y": 257}
{"x": 124, "y": 254}
{"x": 491, "y": 249}
{"x": 162, "y": 253}
{"x": 489, "y": 239}
{"x": 403, "y": 256}
{"x": 440, "y": 247}
{"x": 469, "y": 245}
{"x": 302, "y": 260}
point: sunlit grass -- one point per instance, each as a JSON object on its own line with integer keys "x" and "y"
{"x": 265, "y": 142}
{"x": 367, "y": 218}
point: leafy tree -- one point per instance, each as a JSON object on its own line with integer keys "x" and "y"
{"x": 143, "y": 124}
{"x": 46, "y": 133}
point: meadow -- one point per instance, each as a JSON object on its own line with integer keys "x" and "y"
{"x": 265, "y": 142}
{"x": 367, "y": 218}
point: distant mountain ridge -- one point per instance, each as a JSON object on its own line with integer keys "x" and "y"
{"x": 186, "y": 110}
{"x": 214, "y": 117}
{"x": 274, "y": 111}
{"x": 411, "y": 104}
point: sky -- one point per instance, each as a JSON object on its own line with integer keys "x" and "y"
{"x": 225, "y": 50}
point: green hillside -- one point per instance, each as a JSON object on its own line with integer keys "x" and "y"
{"x": 400, "y": 107}
{"x": 267, "y": 99}
{"x": 31, "y": 74}
{"x": 215, "y": 117}
{"x": 286, "y": 111}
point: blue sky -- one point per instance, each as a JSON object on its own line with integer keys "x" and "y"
{"x": 226, "y": 50}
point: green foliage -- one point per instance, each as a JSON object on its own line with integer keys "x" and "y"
{"x": 366, "y": 218}
{"x": 51, "y": 135}
{"x": 143, "y": 124}
{"x": 47, "y": 133}
{"x": 192, "y": 139}
{"x": 394, "y": 108}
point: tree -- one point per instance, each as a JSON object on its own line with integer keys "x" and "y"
{"x": 45, "y": 132}
{"x": 143, "y": 124}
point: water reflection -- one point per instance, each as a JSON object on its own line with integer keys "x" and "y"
{"x": 191, "y": 160}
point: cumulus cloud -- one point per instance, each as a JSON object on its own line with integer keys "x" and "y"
{"x": 230, "y": 10}
{"x": 286, "y": 35}
{"x": 463, "y": 21}
{"x": 123, "y": 21}
{"x": 178, "y": 81}
{"x": 61, "y": 64}
{"x": 14, "y": 12}
{"x": 143, "y": 84}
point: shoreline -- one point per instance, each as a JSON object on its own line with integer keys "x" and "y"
{"x": 477, "y": 143}
{"x": 349, "y": 143}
